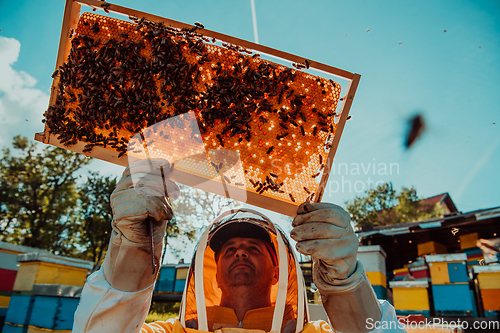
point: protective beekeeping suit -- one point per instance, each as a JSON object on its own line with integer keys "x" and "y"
{"x": 241, "y": 245}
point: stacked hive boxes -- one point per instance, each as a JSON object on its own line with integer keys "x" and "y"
{"x": 172, "y": 278}
{"x": 45, "y": 293}
{"x": 410, "y": 289}
{"x": 401, "y": 273}
{"x": 468, "y": 244}
{"x": 419, "y": 269}
{"x": 8, "y": 272}
{"x": 488, "y": 278}
{"x": 166, "y": 279}
{"x": 450, "y": 284}
{"x": 411, "y": 297}
{"x": 373, "y": 259}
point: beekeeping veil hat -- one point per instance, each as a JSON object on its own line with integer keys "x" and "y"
{"x": 201, "y": 291}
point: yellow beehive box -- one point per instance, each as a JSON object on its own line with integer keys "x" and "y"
{"x": 489, "y": 280}
{"x": 447, "y": 268}
{"x": 410, "y": 295}
{"x": 36, "y": 268}
{"x": 431, "y": 248}
{"x": 488, "y": 276}
{"x": 377, "y": 278}
{"x": 468, "y": 241}
{"x": 439, "y": 272}
{"x": 4, "y": 301}
{"x": 181, "y": 273}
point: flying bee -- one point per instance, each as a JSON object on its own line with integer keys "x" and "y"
{"x": 417, "y": 126}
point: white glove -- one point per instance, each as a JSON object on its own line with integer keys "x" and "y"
{"x": 324, "y": 231}
{"x": 140, "y": 193}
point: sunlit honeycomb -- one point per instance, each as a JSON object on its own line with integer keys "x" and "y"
{"x": 219, "y": 112}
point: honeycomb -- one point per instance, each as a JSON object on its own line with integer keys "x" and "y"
{"x": 220, "y": 112}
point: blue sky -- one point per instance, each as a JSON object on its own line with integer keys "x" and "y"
{"x": 440, "y": 59}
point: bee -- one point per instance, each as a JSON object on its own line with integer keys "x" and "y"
{"x": 95, "y": 27}
{"x": 307, "y": 190}
{"x": 417, "y": 125}
{"x": 270, "y": 150}
{"x": 291, "y": 197}
{"x": 199, "y": 25}
{"x": 272, "y": 174}
{"x": 307, "y": 63}
{"x": 315, "y": 131}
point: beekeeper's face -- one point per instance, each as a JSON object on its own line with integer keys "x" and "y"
{"x": 245, "y": 262}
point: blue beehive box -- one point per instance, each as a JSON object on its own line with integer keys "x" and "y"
{"x": 179, "y": 285}
{"x": 19, "y": 310}
{"x": 53, "y": 312}
{"x": 48, "y": 308}
{"x": 166, "y": 279}
{"x": 380, "y": 291}
{"x": 452, "y": 299}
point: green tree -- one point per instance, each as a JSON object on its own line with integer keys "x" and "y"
{"x": 95, "y": 216}
{"x": 384, "y": 206}
{"x": 38, "y": 196}
{"x": 193, "y": 210}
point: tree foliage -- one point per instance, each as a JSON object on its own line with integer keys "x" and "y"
{"x": 44, "y": 205}
{"x": 193, "y": 210}
{"x": 38, "y": 196}
{"x": 94, "y": 218}
{"x": 384, "y": 206}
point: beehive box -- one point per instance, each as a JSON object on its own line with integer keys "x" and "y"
{"x": 410, "y": 297}
{"x": 448, "y": 268}
{"x": 4, "y": 303}
{"x": 38, "y": 268}
{"x": 47, "y": 308}
{"x": 453, "y": 299}
{"x": 431, "y": 247}
{"x": 9, "y": 264}
{"x": 489, "y": 287}
{"x": 180, "y": 277}
{"x": 468, "y": 241}
{"x": 419, "y": 269}
{"x": 233, "y": 123}
{"x": 400, "y": 273}
{"x": 373, "y": 258}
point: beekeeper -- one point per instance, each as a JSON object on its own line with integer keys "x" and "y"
{"x": 243, "y": 275}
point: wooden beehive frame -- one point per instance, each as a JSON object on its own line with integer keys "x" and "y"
{"x": 70, "y": 21}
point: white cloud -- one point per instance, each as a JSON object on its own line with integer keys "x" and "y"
{"x": 21, "y": 104}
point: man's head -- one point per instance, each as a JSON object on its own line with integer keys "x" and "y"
{"x": 245, "y": 256}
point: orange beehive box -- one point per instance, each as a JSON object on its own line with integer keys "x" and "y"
{"x": 233, "y": 122}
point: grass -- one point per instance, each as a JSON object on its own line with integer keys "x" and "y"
{"x": 155, "y": 316}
